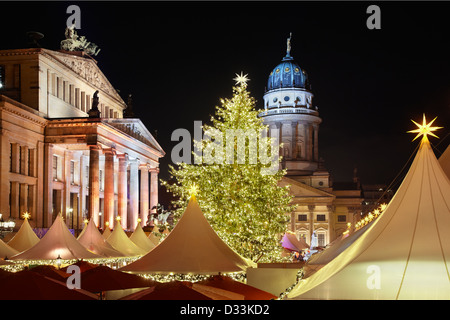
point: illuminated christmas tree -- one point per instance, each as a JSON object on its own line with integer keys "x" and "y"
{"x": 235, "y": 176}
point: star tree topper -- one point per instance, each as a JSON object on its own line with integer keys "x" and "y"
{"x": 424, "y": 128}
{"x": 241, "y": 79}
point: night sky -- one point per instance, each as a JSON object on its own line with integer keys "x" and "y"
{"x": 179, "y": 58}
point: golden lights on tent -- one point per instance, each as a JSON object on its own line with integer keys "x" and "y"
{"x": 370, "y": 216}
{"x": 424, "y": 129}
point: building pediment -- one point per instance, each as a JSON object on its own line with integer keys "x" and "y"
{"x": 136, "y": 129}
{"x": 87, "y": 69}
{"x": 301, "y": 190}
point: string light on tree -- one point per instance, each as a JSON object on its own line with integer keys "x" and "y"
{"x": 246, "y": 207}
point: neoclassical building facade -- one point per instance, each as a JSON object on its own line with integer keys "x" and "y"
{"x": 70, "y": 145}
{"x": 289, "y": 112}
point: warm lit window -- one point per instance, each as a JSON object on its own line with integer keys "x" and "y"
{"x": 55, "y": 168}
{"x": 302, "y": 217}
{"x": 321, "y": 217}
{"x": 342, "y": 218}
{"x": 72, "y": 172}
{"x": 321, "y": 239}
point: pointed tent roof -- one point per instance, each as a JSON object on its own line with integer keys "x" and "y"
{"x": 141, "y": 240}
{"x": 191, "y": 247}
{"x": 6, "y": 250}
{"x": 25, "y": 238}
{"x": 92, "y": 240}
{"x": 291, "y": 242}
{"x": 57, "y": 241}
{"x": 408, "y": 246}
{"x": 320, "y": 259}
{"x": 120, "y": 241}
{"x": 154, "y": 238}
{"x": 444, "y": 161}
{"x": 106, "y": 233}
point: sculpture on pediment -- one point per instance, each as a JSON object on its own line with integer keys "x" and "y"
{"x": 94, "y": 112}
{"x": 73, "y": 42}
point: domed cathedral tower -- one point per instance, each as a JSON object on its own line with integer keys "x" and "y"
{"x": 288, "y": 109}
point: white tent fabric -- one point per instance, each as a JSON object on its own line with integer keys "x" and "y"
{"x": 58, "y": 241}
{"x": 141, "y": 240}
{"x": 191, "y": 247}
{"x": 92, "y": 240}
{"x": 6, "y": 251}
{"x": 444, "y": 161}
{"x": 120, "y": 241}
{"x": 154, "y": 238}
{"x": 25, "y": 238}
{"x": 291, "y": 242}
{"x": 106, "y": 233}
{"x": 320, "y": 259}
{"x": 404, "y": 254}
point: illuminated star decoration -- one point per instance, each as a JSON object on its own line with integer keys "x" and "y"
{"x": 193, "y": 190}
{"x": 26, "y": 215}
{"x": 241, "y": 79}
{"x": 424, "y": 128}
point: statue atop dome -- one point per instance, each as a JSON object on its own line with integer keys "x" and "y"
{"x": 288, "y": 50}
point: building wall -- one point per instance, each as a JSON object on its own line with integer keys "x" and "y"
{"x": 22, "y": 153}
{"x": 47, "y": 143}
{"x": 45, "y": 80}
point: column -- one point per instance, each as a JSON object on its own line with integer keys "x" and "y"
{"x": 122, "y": 189}
{"x": 94, "y": 187}
{"x": 153, "y": 188}
{"x": 40, "y": 178}
{"x": 134, "y": 193}
{"x": 5, "y": 149}
{"x": 294, "y": 140}
{"x": 66, "y": 212}
{"x": 108, "y": 192}
{"x": 15, "y": 191}
{"x": 15, "y": 157}
{"x": 316, "y": 143}
{"x": 308, "y": 142}
{"x": 83, "y": 185}
{"x": 31, "y": 205}
{"x": 311, "y": 209}
{"x": 143, "y": 199}
{"x": 24, "y": 160}
{"x": 23, "y": 198}
{"x": 48, "y": 185}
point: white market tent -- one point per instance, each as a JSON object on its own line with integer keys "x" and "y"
{"x": 141, "y": 240}
{"x": 58, "y": 241}
{"x": 404, "y": 254}
{"x": 444, "y": 161}
{"x": 25, "y": 238}
{"x": 120, "y": 241}
{"x": 92, "y": 240}
{"x": 320, "y": 259}
{"x": 154, "y": 238}
{"x": 6, "y": 251}
{"x": 290, "y": 242}
{"x": 106, "y": 233}
{"x": 191, "y": 247}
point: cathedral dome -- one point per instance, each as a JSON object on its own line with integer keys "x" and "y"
{"x": 288, "y": 74}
